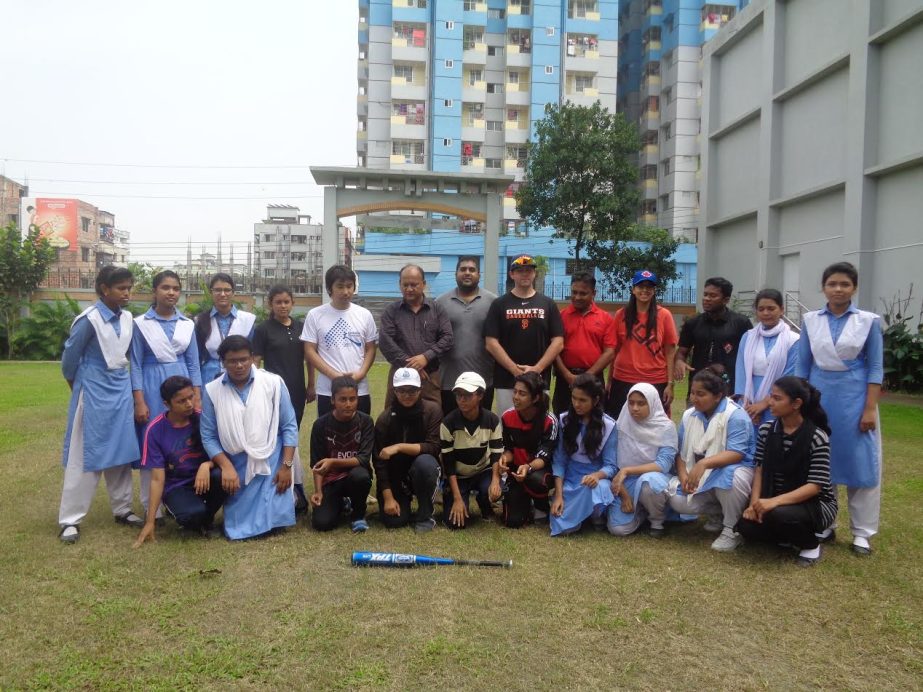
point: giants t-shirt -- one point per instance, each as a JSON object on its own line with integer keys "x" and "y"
{"x": 524, "y": 327}
{"x": 178, "y": 451}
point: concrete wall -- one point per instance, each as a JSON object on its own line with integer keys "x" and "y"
{"x": 813, "y": 147}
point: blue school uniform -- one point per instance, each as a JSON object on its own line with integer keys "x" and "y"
{"x": 658, "y": 481}
{"x": 148, "y": 373}
{"x": 581, "y": 501}
{"x": 107, "y": 408}
{"x": 740, "y": 377}
{"x": 855, "y": 456}
{"x": 211, "y": 364}
{"x": 256, "y": 508}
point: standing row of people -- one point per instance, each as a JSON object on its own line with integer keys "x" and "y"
{"x": 418, "y": 336}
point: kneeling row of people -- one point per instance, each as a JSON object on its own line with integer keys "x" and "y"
{"x": 248, "y": 430}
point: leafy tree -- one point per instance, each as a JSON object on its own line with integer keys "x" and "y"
{"x": 144, "y": 275}
{"x": 41, "y": 336}
{"x": 622, "y": 260}
{"x": 581, "y": 179}
{"x": 24, "y": 263}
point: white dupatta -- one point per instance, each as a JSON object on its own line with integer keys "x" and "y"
{"x": 700, "y": 442}
{"x": 166, "y": 350}
{"x": 114, "y": 346}
{"x": 240, "y": 326}
{"x": 830, "y": 356}
{"x": 770, "y": 367}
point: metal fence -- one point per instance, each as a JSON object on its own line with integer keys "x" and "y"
{"x": 605, "y": 294}
{"x": 65, "y": 278}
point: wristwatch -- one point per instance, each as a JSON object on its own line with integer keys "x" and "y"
{"x": 288, "y": 464}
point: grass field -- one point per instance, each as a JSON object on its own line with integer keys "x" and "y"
{"x": 586, "y": 612}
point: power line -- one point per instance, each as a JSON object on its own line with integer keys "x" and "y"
{"x": 169, "y": 182}
{"x": 107, "y": 195}
{"x": 156, "y": 165}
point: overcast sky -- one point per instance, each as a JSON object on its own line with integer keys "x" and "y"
{"x": 171, "y": 83}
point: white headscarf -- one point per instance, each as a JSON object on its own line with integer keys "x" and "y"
{"x": 640, "y": 441}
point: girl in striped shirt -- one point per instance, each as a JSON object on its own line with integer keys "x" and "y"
{"x": 792, "y": 500}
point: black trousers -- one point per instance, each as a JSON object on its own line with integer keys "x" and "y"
{"x": 479, "y": 485}
{"x": 448, "y": 400}
{"x": 618, "y": 395}
{"x": 194, "y": 511}
{"x": 519, "y": 496}
{"x": 355, "y": 486}
{"x": 795, "y": 524}
{"x": 421, "y": 481}
{"x": 325, "y": 404}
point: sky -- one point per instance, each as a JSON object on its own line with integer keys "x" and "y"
{"x": 192, "y": 99}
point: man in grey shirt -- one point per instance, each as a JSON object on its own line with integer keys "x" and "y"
{"x": 466, "y": 305}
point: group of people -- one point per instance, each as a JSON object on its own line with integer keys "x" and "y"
{"x": 756, "y": 453}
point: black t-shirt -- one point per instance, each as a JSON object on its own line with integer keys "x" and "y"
{"x": 283, "y": 354}
{"x": 524, "y": 328}
{"x": 714, "y": 339}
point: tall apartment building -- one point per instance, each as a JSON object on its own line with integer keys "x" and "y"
{"x": 660, "y": 89}
{"x": 287, "y": 250}
{"x": 11, "y": 194}
{"x": 456, "y": 85}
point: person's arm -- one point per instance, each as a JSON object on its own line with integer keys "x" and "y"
{"x": 680, "y": 367}
{"x": 156, "y": 495}
{"x": 805, "y": 357}
{"x": 382, "y": 478}
{"x": 739, "y": 432}
{"x": 208, "y": 431}
{"x": 432, "y": 420}
{"x": 288, "y": 433}
{"x": 497, "y": 352}
{"x": 791, "y": 360}
{"x": 740, "y": 369}
{"x": 191, "y": 356}
{"x": 668, "y": 338}
{"x": 874, "y": 346}
{"x": 368, "y": 359}
{"x": 610, "y": 455}
{"x": 552, "y": 352}
{"x": 559, "y": 468}
{"x": 756, "y": 489}
{"x": 259, "y": 343}
{"x": 310, "y": 388}
{"x": 74, "y": 348}
{"x": 606, "y": 357}
{"x": 313, "y": 357}
{"x": 136, "y": 375}
{"x": 563, "y": 371}
{"x": 446, "y": 337}
{"x": 318, "y": 449}
{"x": 389, "y": 337}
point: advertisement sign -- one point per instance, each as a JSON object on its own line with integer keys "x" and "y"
{"x": 56, "y": 219}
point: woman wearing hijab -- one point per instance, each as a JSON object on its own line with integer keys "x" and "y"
{"x": 766, "y": 353}
{"x": 647, "y": 445}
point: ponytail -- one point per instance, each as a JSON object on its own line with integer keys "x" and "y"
{"x": 798, "y": 388}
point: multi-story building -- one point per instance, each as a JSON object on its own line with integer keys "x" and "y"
{"x": 660, "y": 89}
{"x": 456, "y": 85}
{"x": 287, "y": 249}
{"x": 11, "y": 194}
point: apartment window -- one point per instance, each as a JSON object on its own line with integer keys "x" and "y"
{"x": 412, "y": 112}
{"x": 414, "y": 34}
{"x": 494, "y": 51}
{"x": 448, "y": 103}
{"x": 269, "y": 255}
{"x": 667, "y": 131}
{"x": 652, "y": 68}
{"x": 405, "y": 71}
{"x": 493, "y": 88}
{"x": 580, "y": 8}
{"x": 495, "y": 125}
{"x": 472, "y": 112}
{"x": 299, "y": 256}
{"x": 362, "y": 55}
{"x": 472, "y": 36}
{"x": 513, "y": 77}
{"x": 493, "y": 163}
{"x": 85, "y": 224}
{"x": 667, "y": 95}
{"x": 578, "y": 45}
{"x": 665, "y": 166}
{"x": 267, "y": 237}
{"x": 521, "y": 38}
{"x": 582, "y": 83}
{"x": 447, "y": 142}
{"x": 450, "y": 26}
{"x": 523, "y": 5}
{"x": 470, "y": 5}
{"x": 549, "y": 69}
{"x": 549, "y": 31}
{"x": 470, "y": 151}
{"x": 269, "y": 273}
{"x": 518, "y": 153}
{"x": 419, "y": 4}
{"x": 653, "y": 104}
{"x": 449, "y": 64}
{"x": 512, "y": 114}
{"x": 475, "y": 76}
{"x": 649, "y": 206}
{"x": 496, "y": 14}
{"x": 85, "y": 254}
{"x": 649, "y": 172}
{"x": 411, "y": 150}
{"x": 299, "y": 239}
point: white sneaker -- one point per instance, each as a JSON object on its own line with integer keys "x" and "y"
{"x": 714, "y": 525}
{"x": 727, "y": 541}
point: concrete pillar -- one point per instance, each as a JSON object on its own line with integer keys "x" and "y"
{"x": 329, "y": 240}
{"x": 494, "y": 204}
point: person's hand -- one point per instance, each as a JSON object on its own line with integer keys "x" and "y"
{"x": 323, "y": 467}
{"x": 521, "y": 472}
{"x": 458, "y": 513}
{"x": 667, "y": 398}
{"x": 521, "y": 369}
{"x": 317, "y": 497}
{"x": 694, "y": 477}
{"x": 203, "y": 479}
{"x": 310, "y": 394}
{"x": 494, "y": 492}
{"x": 283, "y": 479}
{"x": 755, "y": 411}
{"x": 147, "y": 533}
{"x": 762, "y": 506}
{"x": 530, "y": 368}
{"x": 230, "y": 481}
{"x": 387, "y": 452}
{"x": 417, "y": 362}
{"x": 590, "y": 480}
{"x": 750, "y": 514}
{"x": 617, "y": 481}
{"x": 869, "y": 419}
{"x": 569, "y": 377}
{"x": 627, "y": 505}
{"x": 142, "y": 412}
{"x": 391, "y": 507}
{"x": 503, "y": 464}
{"x": 680, "y": 369}
{"x": 557, "y": 506}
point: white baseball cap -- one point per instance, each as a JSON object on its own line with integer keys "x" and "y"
{"x": 406, "y": 377}
{"x": 470, "y": 382}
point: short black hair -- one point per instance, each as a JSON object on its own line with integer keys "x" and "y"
{"x": 235, "y": 342}
{"x": 584, "y": 278}
{"x": 338, "y": 272}
{"x": 172, "y": 385}
{"x": 221, "y": 276}
{"x": 847, "y": 268}
{"x": 111, "y": 275}
{"x": 342, "y": 382}
{"x": 722, "y": 284}
{"x": 769, "y": 294}
{"x": 468, "y": 258}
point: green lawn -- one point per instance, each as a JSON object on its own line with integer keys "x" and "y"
{"x": 585, "y": 612}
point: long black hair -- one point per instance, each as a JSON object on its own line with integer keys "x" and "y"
{"x": 593, "y": 437}
{"x": 203, "y": 321}
{"x": 631, "y": 316}
{"x": 798, "y": 388}
{"x": 535, "y": 385}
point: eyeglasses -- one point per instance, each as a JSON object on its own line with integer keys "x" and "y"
{"x": 406, "y": 391}
{"x": 237, "y": 361}
{"x": 222, "y": 290}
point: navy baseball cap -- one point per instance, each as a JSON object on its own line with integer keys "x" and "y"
{"x": 644, "y": 275}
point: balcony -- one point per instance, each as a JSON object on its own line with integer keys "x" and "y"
{"x": 473, "y": 132}
{"x": 472, "y": 164}
{"x": 518, "y": 8}
{"x": 516, "y": 133}
{"x": 515, "y": 97}
{"x": 410, "y": 91}
{"x": 649, "y": 219}
{"x": 475, "y": 54}
{"x": 649, "y": 155}
{"x": 362, "y": 69}
{"x": 474, "y": 92}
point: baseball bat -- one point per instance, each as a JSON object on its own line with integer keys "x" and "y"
{"x": 410, "y": 560}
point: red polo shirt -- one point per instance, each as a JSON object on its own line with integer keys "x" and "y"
{"x": 586, "y": 336}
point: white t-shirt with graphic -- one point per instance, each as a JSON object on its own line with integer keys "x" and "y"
{"x": 341, "y": 336}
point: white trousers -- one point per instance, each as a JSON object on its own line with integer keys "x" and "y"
{"x": 651, "y": 506}
{"x": 80, "y": 486}
{"x": 864, "y": 509}
{"x": 728, "y": 503}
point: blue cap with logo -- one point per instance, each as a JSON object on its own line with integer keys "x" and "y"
{"x": 644, "y": 275}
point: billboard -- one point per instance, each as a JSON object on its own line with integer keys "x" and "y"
{"x": 56, "y": 219}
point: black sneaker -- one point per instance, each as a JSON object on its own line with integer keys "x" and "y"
{"x": 70, "y": 537}
{"x": 130, "y": 519}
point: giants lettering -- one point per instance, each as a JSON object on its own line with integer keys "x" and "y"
{"x": 525, "y": 314}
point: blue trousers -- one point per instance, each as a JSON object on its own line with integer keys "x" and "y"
{"x": 194, "y": 511}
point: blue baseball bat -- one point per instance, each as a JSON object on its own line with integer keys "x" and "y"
{"x": 365, "y": 559}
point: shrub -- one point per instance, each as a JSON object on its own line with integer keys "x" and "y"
{"x": 903, "y": 347}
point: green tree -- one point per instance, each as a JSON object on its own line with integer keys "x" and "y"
{"x": 24, "y": 263}
{"x": 655, "y": 253}
{"x": 581, "y": 179}
{"x": 144, "y": 275}
{"x": 41, "y": 336}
